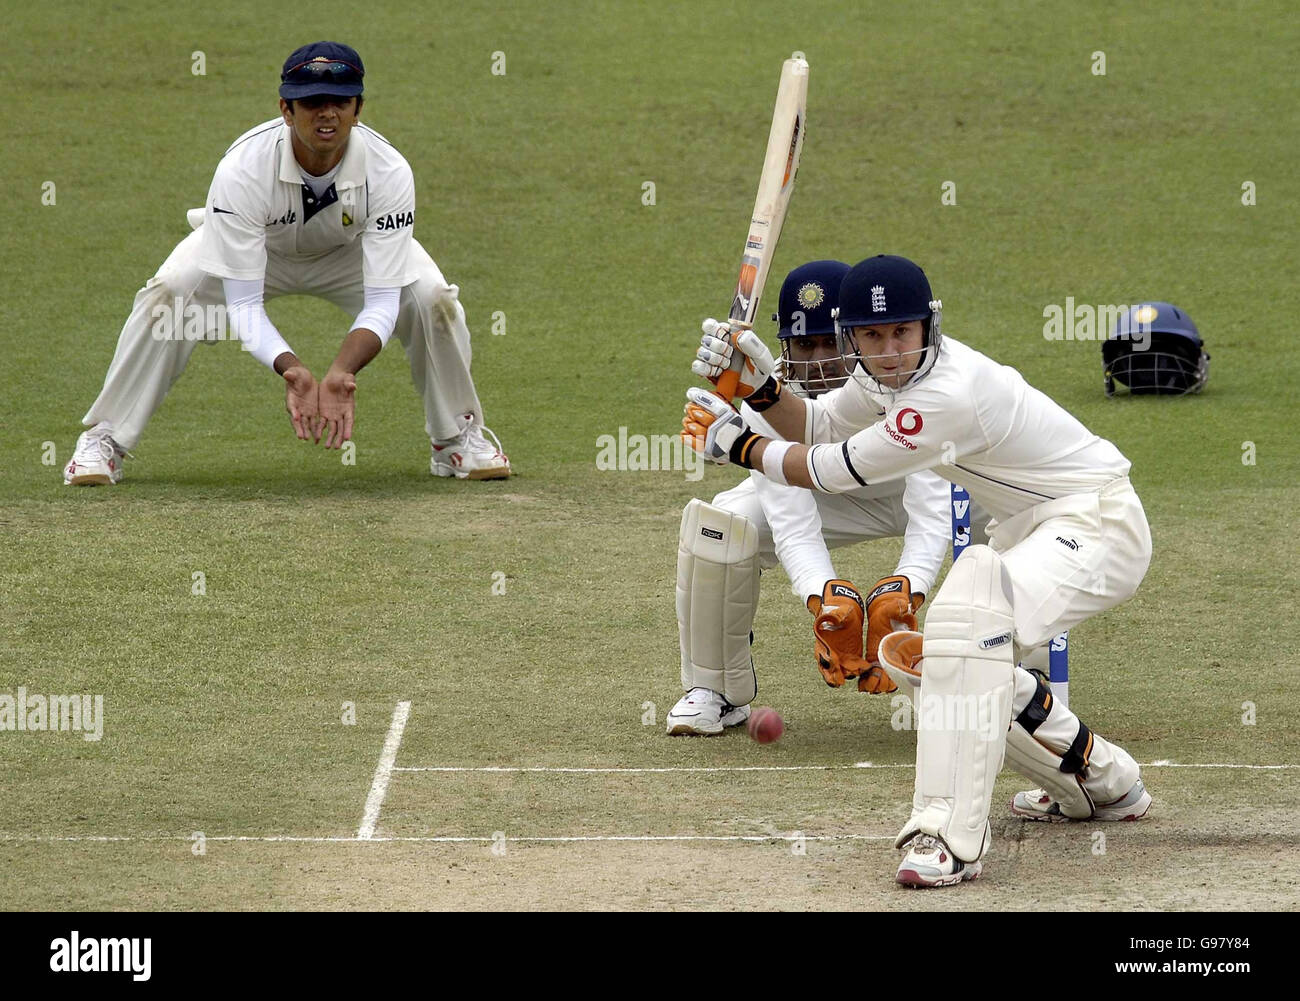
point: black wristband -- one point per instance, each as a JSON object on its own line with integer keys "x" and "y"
{"x": 764, "y": 396}
{"x": 742, "y": 447}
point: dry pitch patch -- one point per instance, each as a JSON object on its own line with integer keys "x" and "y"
{"x": 1208, "y": 844}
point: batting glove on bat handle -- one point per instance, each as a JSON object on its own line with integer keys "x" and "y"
{"x": 712, "y": 427}
{"x": 717, "y": 360}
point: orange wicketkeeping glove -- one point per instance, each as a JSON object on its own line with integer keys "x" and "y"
{"x": 837, "y": 632}
{"x": 890, "y": 605}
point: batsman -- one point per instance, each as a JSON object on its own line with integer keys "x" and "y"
{"x": 1069, "y": 539}
{"x": 724, "y": 544}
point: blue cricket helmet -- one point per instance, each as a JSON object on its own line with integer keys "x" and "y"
{"x": 806, "y": 308}
{"x": 882, "y": 290}
{"x": 1154, "y": 349}
{"x": 809, "y": 295}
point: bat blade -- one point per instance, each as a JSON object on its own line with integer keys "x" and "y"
{"x": 775, "y": 186}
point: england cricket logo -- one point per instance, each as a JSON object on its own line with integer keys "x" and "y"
{"x": 877, "y": 298}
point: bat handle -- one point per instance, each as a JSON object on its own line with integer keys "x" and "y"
{"x": 728, "y": 383}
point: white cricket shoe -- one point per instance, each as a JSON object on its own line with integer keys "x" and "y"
{"x": 97, "y": 459}
{"x": 470, "y": 455}
{"x": 930, "y": 862}
{"x": 1037, "y": 804}
{"x": 702, "y": 712}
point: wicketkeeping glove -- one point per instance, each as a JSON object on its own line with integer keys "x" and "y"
{"x": 837, "y": 632}
{"x": 712, "y": 427}
{"x": 717, "y": 352}
{"x": 891, "y": 605}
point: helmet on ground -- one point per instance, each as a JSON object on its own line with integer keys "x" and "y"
{"x": 1155, "y": 349}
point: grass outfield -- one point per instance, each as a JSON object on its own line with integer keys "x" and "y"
{"x": 373, "y": 583}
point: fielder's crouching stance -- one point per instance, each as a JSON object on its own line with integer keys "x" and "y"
{"x": 1069, "y": 539}
{"x": 310, "y": 203}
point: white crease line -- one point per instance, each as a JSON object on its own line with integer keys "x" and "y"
{"x": 490, "y": 769}
{"x": 1175, "y": 764}
{"x": 458, "y": 840}
{"x": 628, "y": 771}
{"x": 383, "y": 771}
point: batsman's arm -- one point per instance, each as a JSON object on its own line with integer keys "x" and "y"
{"x": 714, "y": 429}
{"x": 753, "y": 381}
{"x": 836, "y": 467}
{"x": 786, "y": 415}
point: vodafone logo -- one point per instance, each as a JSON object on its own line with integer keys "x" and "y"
{"x": 908, "y": 421}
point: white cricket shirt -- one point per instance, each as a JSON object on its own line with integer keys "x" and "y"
{"x": 794, "y": 518}
{"x": 971, "y": 420}
{"x": 258, "y": 205}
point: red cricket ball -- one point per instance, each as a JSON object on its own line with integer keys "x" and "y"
{"x": 765, "y": 725}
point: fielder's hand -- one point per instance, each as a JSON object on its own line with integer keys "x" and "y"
{"x": 891, "y": 605}
{"x": 337, "y": 407}
{"x": 717, "y": 351}
{"x": 714, "y": 429}
{"x": 837, "y": 632}
{"x": 300, "y": 399}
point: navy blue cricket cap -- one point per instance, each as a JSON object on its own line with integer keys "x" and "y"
{"x": 322, "y": 68}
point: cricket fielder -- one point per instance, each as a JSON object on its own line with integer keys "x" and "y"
{"x": 309, "y": 203}
{"x": 717, "y": 580}
{"x": 1068, "y": 539}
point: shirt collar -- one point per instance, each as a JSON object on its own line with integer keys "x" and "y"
{"x": 351, "y": 170}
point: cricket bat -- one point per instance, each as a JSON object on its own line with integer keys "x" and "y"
{"x": 784, "y": 143}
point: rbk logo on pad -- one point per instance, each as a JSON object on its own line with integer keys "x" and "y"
{"x": 710, "y": 533}
{"x": 995, "y": 641}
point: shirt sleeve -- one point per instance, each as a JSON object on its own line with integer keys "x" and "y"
{"x": 233, "y": 242}
{"x": 795, "y": 522}
{"x": 246, "y": 308}
{"x": 386, "y": 240}
{"x": 927, "y": 501}
{"x": 379, "y": 312}
{"x": 924, "y": 430}
{"x": 838, "y": 414}
{"x": 796, "y": 527}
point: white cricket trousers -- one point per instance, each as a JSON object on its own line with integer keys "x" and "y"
{"x": 1068, "y": 560}
{"x": 430, "y": 325}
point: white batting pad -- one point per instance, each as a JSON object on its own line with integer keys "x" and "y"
{"x": 967, "y": 684}
{"x": 1051, "y": 746}
{"x": 717, "y": 596}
